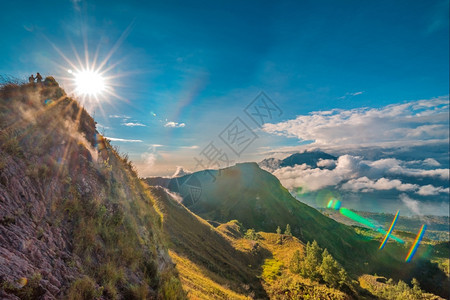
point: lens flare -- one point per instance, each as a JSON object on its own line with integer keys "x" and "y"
{"x": 386, "y": 237}
{"x": 337, "y": 205}
{"x": 330, "y": 203}
{"x": 416, "y": 243}
{"x": 355, "y": 217}
{"x": 89, "y": 83}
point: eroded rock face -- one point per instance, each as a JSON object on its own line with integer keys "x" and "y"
{"x": 30, "y": 243}
{"x": 70, "y": 218}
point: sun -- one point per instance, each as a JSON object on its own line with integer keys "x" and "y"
{"x": 89, "y": 83}
{"x": 92, "y": 78}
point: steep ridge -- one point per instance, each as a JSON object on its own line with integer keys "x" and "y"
{"x": 75, "y": 221}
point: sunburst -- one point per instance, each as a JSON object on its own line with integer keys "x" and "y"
{"x": 92, "y": 82}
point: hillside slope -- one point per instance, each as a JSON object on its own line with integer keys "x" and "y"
{"x": 259, "y": 201}
{"x": 75, "y": 221}
{"x": 256, "y": 199}
{"x": 220, "y": 263}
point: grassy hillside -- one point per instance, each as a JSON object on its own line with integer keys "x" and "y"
{"x": 220, "y": 263}
{"x": 75, "y": 220}
{"x": 257, "y": 200}
{"x": 203, "y": 253}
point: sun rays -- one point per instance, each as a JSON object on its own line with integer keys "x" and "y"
{"x": 92, "y": 78}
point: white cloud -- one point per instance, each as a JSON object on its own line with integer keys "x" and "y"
{"x": 412, "y": 204}
{"x": 119, "y": 116}
{"x": 347, "y": 167}
{"x": 355, "y": 174}
{"x": 146, "y": 163}
{"x": 396, "y": 166}
{"x": 431, "y": 162}
{"x": 174, "y": 124}
{"x": 348, "y": 95}
{"x": 430, "y": 190}
{"x": 180, "y": 172}
{"x": 326, "y": 163}
{"x": 123, "y": 140}
{"x": 442, "y": 173}
{"x": 131, "y": 124}
{"x": 365, "y": 184}
{"x": 411, "y": 123}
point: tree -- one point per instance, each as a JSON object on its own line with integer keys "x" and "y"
{"x": 329, "y": 269}
{"x": 279, "y": 236}
{"x": 288, "y": 230}
{"x": 251, "y": 235}
{"x": 313, "y": 259}
{"x": 296, "y": 263}
{"x": 278, "y": 230}
{"x": 343, "y": 278}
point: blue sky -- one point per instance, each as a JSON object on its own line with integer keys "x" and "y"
{"x": 196, "y": 65}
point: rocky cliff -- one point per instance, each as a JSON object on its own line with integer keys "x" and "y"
{"x": 75, "y": 220}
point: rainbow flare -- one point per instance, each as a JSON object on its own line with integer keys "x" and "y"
{"x": 416, "y": 243}
{"x": 386, "y": 237}
{"x": 355, "y": 217}
{"x": 330, "y": 203}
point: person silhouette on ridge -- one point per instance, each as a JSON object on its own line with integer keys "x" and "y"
{"x": 31, "y": 78}
{"x": 38, "y": 78}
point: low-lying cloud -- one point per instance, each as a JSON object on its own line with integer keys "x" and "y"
{"x": 352, "y": 173}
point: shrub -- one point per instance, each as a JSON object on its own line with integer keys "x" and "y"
{"x": 30, "y": 291}
{"x": 84, "y": 289}
{"x": 251, "y": 234}
{"x": 10, "y": 143}
{"x": 271, "y": 269}
{"x": 50, "y": 81}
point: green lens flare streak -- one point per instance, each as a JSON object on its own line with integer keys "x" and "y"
{"x": 355, "y": 217}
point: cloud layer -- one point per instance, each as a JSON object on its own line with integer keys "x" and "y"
{"x": 411, "y": 123}
{"x": 352, "y": 173}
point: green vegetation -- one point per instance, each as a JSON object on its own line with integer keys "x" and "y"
{"x": 288, "y": 230}
{"x": 251, "y": 234}
{"x": 271, "y": 269}
{"x": 389, "y": 289}
{"x": 29, "y": 289}
{"x": 83, "y": 289}
{"x": 319, "y": 265}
